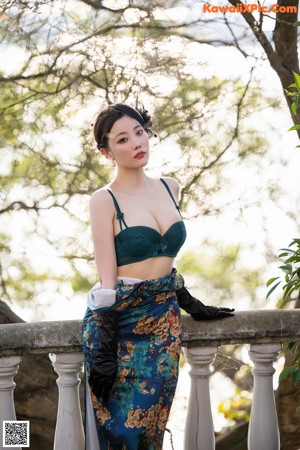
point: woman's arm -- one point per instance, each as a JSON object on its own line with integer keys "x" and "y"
{"x": 103, "y": 369}
{"x": 102, "y": 213}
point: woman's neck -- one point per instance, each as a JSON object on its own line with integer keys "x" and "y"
{"x": 128, "y": 180}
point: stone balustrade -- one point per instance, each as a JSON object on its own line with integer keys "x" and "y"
{"x": 263, "y": 330}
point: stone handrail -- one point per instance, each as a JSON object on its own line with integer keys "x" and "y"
{"x": 244, "y": 327}
{"x": 264, "y": 330}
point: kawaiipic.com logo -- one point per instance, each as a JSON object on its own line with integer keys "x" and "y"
{"x": 240, "y": 7}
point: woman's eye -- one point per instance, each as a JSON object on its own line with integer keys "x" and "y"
{"x": 125, "y": 139}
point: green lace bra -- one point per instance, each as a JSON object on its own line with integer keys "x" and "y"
{"x": 137, "y": 243}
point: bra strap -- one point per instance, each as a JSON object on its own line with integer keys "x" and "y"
{"x": 171, "y": 195}
{"x": 120, "y": 215}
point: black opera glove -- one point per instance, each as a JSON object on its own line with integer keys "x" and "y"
{"x": 198, "y": 310}
{"x": 103, "y": 370}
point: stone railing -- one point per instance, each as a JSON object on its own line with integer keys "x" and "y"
{"x": 264, "y": 331}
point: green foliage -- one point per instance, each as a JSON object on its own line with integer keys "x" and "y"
{"x": 79, "y": 281}
{"x": 290, "y": 258}
{"x": 20, "y": 280}
{"x": 238, "y": 407}
{"x": 11, "y": 123}
{"x": 295, "y": 95}
{"x": 217, "y": 272}
{"x": 292, "y": 372}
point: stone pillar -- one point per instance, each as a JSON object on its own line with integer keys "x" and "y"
{"x": 199, "y": 429}
{"x": 9, "y": 366}
{"x": 263, "y": 427}
{"x": 69, "y": 433}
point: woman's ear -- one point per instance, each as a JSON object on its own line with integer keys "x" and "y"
{"x": 106, "y": 153}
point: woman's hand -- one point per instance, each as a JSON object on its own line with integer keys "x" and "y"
{"x": 103, "y": 370}
{"x": 198, "y": 310}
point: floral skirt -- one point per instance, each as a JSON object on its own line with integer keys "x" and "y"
{"x": 149, "y": 324}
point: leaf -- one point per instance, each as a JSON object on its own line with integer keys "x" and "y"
{"x": 286, "y": 372}
{"x": 282, "y": 254}
{"x": 294, "y": 127}
{"x": 290, "y": 283}
{"x": 273, "y": 288}
{"x": 294, "y": 108}
{"x": 293, "y": 258}
{"x": 289, "y": 250}
{"x": 287, "y": 278}
{"x": 290, "y": 288}
{"x": 271, "y": 280}
{"x": 297, "y": 79}
{"x": 296, "y": 24}
{"x": 287, "y": 268}
{"x": 296, "y": 375}
{"x": 289, "y": 94}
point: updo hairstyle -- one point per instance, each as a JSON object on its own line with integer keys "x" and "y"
{"x": 110, "y": 115}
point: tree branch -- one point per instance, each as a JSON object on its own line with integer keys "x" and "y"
{"x": 284, "y": 59}
{"x": 186, "y": 189}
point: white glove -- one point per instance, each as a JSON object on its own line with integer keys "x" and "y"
{"x": 98, "y": 297}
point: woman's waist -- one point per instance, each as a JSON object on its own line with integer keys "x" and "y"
{"x": 136, "y": 291}
{"x": 150, "y": 268}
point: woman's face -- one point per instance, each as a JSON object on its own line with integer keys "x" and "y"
{"x": 128, "y": 143}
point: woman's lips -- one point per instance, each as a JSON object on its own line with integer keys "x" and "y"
{"x": 139, "y": 155}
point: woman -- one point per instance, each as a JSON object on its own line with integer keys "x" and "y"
{"x": 131, "y": 330}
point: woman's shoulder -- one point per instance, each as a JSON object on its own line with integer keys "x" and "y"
{"x": 172, "y": 183}
{"x": 102, "y": 198}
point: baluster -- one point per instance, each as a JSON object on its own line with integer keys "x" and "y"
{"x": 69, "y": 433}
{"x": 9, "y": 366}
{"x": 263, "y": 427}
{"x": 199, "y": 429}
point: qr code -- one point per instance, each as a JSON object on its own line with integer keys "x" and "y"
{"x": 15, "y": 433}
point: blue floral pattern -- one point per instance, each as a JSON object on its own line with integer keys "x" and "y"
{"x": 149, "y": 324}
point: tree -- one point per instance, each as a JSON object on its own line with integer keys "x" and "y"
{"x": 152, "y": 19}
{"x": 72, "y": 64}
{"x": 280, "y": 47}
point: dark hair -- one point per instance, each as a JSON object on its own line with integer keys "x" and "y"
{"x": 110, "y": 115}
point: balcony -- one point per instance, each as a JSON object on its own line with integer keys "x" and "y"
{"x": 264, "y": 331}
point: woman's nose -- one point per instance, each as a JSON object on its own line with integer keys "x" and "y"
{"x": 136, "y": 143}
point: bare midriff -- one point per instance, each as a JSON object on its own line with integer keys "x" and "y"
{"x": 151, "y": 268}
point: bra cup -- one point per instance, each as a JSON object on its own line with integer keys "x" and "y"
{"x": 175, "y": 237}
{"x": 138, "y": 243}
